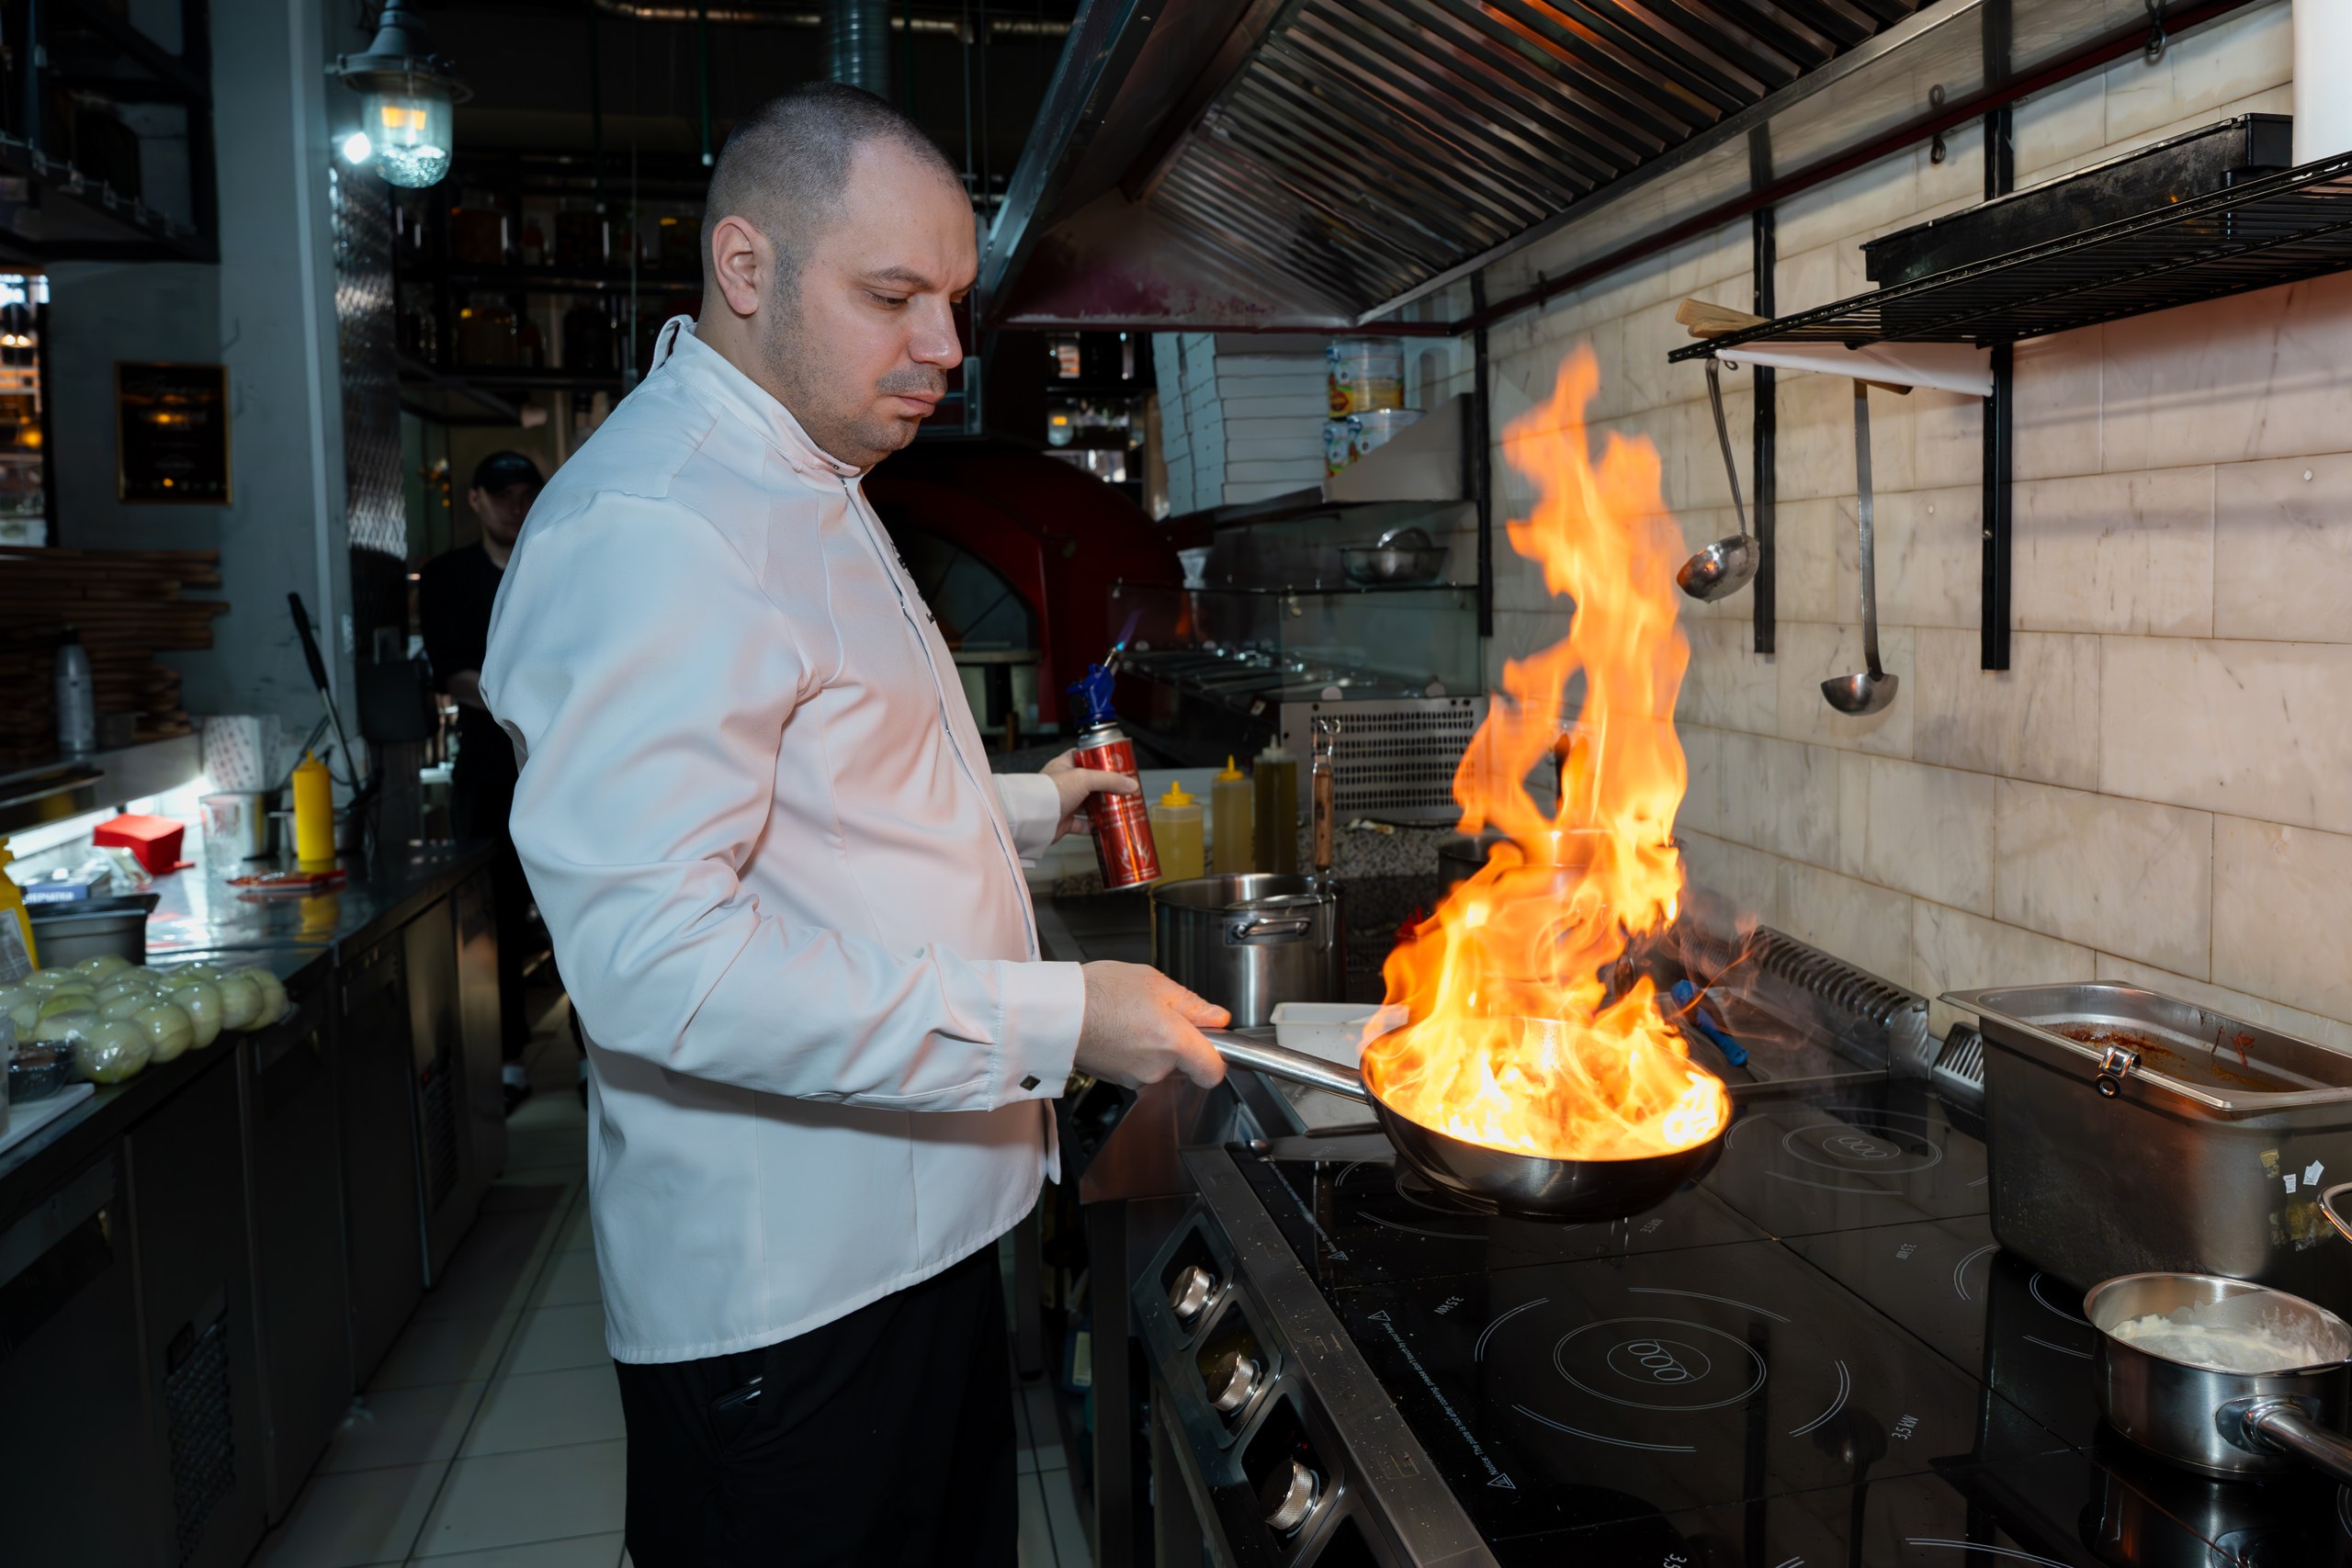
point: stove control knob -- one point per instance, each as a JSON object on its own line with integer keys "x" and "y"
{"x": 1241, "y": 1383}
{"x": 1291, "y": 1496}
{"x": 1191, "y": 1292}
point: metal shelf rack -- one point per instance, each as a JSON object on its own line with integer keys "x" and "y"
{"x": 2277, "y": 229}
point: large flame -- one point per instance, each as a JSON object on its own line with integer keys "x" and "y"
{"x": 1514, "y": 1040}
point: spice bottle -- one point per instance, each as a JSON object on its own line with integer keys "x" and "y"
{"x": 1177, "y": 832}
{"x": 1231, "y": 842}
{"x": 313, "y": 814}
{"x": 1275, "y": 776}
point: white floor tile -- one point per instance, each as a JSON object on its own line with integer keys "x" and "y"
{"x": 493, "y": 1266}
{"x": 1036, "y": 1540}
{"x": 531, "y": 1191}
{"x": 581, "y": 1551}
{"x": 402, "y": 1426}
{"x": 541, "y": 1410}
{"x": 1070, "y": 1549}
{"x": 578, "y": 1236}
{"x": 545, "y": 1148}
{"x": 516, "y": 1499}
{"x": 571, "y": 1277}
{"x": 342, "y": 1521}
{"x": 1045, "y": 1427}
{"x": 558, "y": 1337}
{"x": 445, "y": 1349}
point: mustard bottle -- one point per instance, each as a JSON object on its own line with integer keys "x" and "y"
{"x": 313, "y": 815}
{"x": 1231, "y": 848}
{"x": 1176, "y": 829}
{"x": 12, "y": 901}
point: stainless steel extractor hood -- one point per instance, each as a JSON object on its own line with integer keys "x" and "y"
{"x": 1310, "y": 164}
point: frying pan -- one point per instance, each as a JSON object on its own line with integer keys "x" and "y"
{"x": 1494, "y": 1180}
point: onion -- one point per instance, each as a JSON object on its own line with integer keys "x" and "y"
{"x": 169, "y": 1029}
{"x": 25, "y": 1016}
{"x": 67, "y": 1001}
{"x": 273, "y": 995}
{"x": 67, "y": 1025}
{"x": 128, "y": 980}
{"x": 49, "y": 979}
{"x": 201, "y": 1000}
{"x": 109, "y": 1051}
{"x": 239, "y": 1001}
{"x": 127, "y": 1004}
{"x": 103, "y": 966}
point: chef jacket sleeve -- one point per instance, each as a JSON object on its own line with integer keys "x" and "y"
{"x": 648, "y": 680}
{"x": 1032, "y": 807}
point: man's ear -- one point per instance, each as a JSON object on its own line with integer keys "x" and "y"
{"x": 741, "y": 261}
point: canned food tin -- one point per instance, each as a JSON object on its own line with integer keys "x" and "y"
{"x": 1123, "y": 845}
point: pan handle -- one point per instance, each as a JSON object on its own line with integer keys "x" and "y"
{"x": 2328, "y": 1207}
{"x": 1241, "y": 1051}
{"x": 2280, "y": 1425}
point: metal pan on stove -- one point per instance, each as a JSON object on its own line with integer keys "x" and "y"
{"x": 1495, "y": 1179}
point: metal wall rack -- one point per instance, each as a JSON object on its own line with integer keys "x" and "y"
{"x": 2275, "y": 229}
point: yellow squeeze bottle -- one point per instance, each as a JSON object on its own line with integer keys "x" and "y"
{"x": 12, "y": 902}
{"x": 1176, "y": 829}
{"x": 1230, "y": 844}
{"x": 313, "y": 815}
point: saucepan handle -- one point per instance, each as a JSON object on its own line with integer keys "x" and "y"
{"x": 1241, "y": 1051}
{"x": 2280, "y": 1424}
{"x": 2328, "y": 1207}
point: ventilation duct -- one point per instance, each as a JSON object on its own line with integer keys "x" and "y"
{"x": 857, "y": 43}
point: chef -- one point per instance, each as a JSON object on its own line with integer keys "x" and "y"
{"x": 785, "y": 890}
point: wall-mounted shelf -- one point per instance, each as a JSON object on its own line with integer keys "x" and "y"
{"x": 2277, "y": 229}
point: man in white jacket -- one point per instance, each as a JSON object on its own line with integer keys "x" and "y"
{"x": 785, "y": 889}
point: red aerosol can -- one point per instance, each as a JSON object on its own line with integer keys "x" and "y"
{"x": 1123, "y": 843}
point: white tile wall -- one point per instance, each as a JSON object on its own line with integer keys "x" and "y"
{"x": 2159, "y": 789}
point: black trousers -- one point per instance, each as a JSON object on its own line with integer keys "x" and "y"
{"x": 480, "y": 802}
{"x": 884, "y": 1437}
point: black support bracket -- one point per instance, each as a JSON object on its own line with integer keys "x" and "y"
{"x": 1764, "y": 467}
{"x": 1478, "y": 458}
{"x": 2000, "y": 415}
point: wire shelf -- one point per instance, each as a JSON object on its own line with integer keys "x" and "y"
{"x": 2277, "y": 229}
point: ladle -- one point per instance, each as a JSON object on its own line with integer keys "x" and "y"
{"x": 1872, "y": 688}
{"x": 1728, "y": 565}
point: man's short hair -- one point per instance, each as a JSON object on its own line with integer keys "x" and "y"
{"x": 785, "y": 165}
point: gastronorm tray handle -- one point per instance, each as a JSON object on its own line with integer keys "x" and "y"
{"x": 2328, "y": 1207}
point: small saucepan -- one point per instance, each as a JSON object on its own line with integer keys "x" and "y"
{"x": 2228, "y": 1424}
{"x": 1495, "y": 1179}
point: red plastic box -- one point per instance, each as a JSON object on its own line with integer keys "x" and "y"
{"x": 153, "y": 841}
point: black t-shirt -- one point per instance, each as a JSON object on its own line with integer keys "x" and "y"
{"x": 454, "y": 595}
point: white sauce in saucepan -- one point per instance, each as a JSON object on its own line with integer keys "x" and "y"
{"x": 2215, "y": 1336}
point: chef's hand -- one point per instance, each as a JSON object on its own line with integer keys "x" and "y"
{"x": 1076, "y": 784}
{"x": 1140, "y": 1026}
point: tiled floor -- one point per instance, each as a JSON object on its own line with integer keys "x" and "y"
{"x": 491, "y": 1437}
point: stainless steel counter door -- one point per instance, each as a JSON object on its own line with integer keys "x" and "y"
{"x": 382, "y": 1230}
{"x": 294, "y": 1186}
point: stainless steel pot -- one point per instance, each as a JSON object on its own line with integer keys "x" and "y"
{"x": 2224, "y": 1423}
{"x": 1247, "y": 943}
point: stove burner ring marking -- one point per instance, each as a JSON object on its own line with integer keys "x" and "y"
{"x": 1845, "y": 1391}
{"x": 2034, "y": 1285}
{"x": 1862, "y": 1148}
{"x": 2344, "y": 1508}
{"x": 1599, "y": 1438}
{"x": 1480, "y": 1353}
{"x": 1416, "y": 1230}
{"x": 1834, "y": 1186}
{"x": 1702, "y": 1296}
{"x": 1961, "y": 1267}
{"x": 1793, "y": 1562}
{"x": 2053, "y": 1345}
{"x": 1988, "y": 1550}
{"x": 1560, "y": 1365}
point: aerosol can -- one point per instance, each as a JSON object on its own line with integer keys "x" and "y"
{"x": 1123, "y": 843}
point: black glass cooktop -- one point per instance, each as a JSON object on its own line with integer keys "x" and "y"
{"x": 1816, "y": 1356}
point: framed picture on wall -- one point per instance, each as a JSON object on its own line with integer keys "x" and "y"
{"x": 170, "y": 426}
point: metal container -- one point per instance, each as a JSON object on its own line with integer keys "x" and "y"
{"x": 2131, "y": 1133}
{"x": 1248, "y": 942}
{"x": 67, "y": 933}
{"x": 2221, "y": 1421}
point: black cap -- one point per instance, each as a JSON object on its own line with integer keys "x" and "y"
{"x": 501, "y": 469}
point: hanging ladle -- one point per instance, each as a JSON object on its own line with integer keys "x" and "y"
{"x": 1872, "y": 688}
{"x": 1728, "y": 565}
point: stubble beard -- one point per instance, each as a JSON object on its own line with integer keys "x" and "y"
{"x": 846, "y": 425}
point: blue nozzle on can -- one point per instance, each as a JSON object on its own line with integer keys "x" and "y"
{"x": 1091, "y": 695}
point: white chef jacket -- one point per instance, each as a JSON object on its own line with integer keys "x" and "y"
{"x": 785, "y": 889}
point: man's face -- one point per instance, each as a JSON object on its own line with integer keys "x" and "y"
{"x": 502, "y": 511}
{"x": 860, "y": 352}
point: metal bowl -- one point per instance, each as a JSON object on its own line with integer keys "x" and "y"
{"x": 35, "y": 1072}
